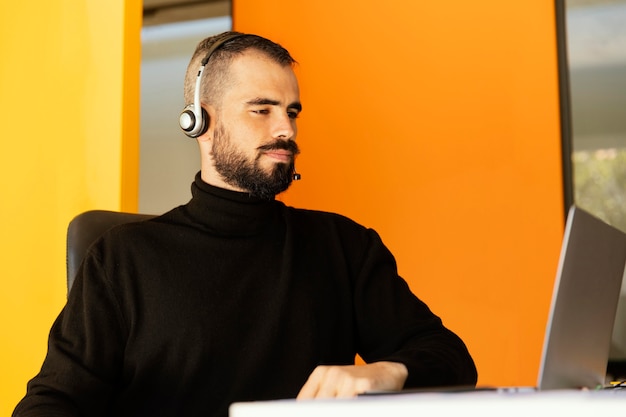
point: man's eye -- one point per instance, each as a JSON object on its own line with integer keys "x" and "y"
{"x": 261, "y": 111}
{"x": 293, "y": 114}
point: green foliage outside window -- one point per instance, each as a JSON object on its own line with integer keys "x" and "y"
{"x": 600, "y": 184}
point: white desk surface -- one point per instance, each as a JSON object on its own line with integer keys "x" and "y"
{"x": 480, "y": 403}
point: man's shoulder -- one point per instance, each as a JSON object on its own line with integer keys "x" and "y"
{"x": 318, "y": 215}
{"x": 316, "y": 219}
{"x": 135, "y": 232}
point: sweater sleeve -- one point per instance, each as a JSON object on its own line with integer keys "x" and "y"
{"x": 394, "y": 325}
{"x": 84, "y": 352}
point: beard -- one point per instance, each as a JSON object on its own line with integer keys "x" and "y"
{"x": 239, "y": 171}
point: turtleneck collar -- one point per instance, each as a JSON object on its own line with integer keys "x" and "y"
{"x": 229, "y": 213}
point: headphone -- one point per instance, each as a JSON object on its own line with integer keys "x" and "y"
{"x": 194, "y": 120}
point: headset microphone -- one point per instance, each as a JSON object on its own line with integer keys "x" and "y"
{"x": 296, "y": 176}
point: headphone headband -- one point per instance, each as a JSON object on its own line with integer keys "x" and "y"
{"x": 194, "y": 120}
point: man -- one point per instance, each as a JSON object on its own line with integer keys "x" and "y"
{"x": 235, "y": 296}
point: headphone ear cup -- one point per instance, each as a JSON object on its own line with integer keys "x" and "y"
{"x": 189, "y": 123}
{"x": 187, "y": 120}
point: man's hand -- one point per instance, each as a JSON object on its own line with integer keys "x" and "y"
{"x": 350, "y": 380}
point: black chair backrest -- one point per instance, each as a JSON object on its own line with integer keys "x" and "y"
{"x": 85, "y": 228}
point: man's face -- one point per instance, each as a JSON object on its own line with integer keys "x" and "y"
{"x": 254, "y": 144}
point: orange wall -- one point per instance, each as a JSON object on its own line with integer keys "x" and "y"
{"x": 437, "y": 124}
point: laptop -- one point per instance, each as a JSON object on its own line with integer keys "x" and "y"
{"x": 584, "y": 303}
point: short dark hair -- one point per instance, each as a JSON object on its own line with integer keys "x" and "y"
{"x": 215, "y": 73}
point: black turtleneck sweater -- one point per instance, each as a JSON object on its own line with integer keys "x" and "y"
{"x": 231, "y": 298}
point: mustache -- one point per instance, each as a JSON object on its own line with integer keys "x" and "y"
{"x": 287, "y": 145}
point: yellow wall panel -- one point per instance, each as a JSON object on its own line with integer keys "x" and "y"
{"x": 437, "y": 124}
{"x": 69, "y": 97}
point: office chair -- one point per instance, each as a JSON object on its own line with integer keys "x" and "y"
{"x": 85, "y": 228}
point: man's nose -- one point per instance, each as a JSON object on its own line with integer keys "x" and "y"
{"x": 284, "y": 127}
